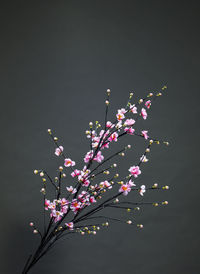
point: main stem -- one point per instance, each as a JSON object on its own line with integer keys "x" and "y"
{"x": 43, "y": 248}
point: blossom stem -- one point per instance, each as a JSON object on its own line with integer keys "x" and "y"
{"x": 101, "y": 206}
{"x": 109, "y": 158}
{"x": 45, "y": 172}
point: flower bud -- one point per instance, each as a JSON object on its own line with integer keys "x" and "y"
{"x": 43, "y": 191}
{"x": 107, "y": 102}
{"x": 131, "y": 95}
{"x": 166, "y": 143}
{"x": 165, "y": 187}
{"x": 155, "y": 186}
{"x": 141, "y": 101}
{"x": 108, "y": 91}
{"x": 155, "y": 204}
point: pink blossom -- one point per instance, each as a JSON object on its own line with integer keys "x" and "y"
{"x": 75, "y": 173}
{"x": 59, "y": 150}
{"x": 47, "y": 204}
{"x": 85, "y": 182}
{"x": 109, "y": 124}
{"x": 52, "y": 205}
{"x": 133, "y": 109}
{"x": 68, "y": 162}
{"x": 64, "y": 205}
{"x": 135, "y": 171}
{"x": 92, "y": 199}
{"x": 105, "y": 145}
{"x": 144, "y": 133}
{"x": 105, "y": 184}
{"x": 129, "y": 122}
{"x": 75, "y": 205}
{"x": 122, "y": 110}
{"x": 119, "y": 125}
{"x": 96, "y": 140}
{"x": 144, "y": 113}
{"x": 88, "y": 156}
{"x": 144, "y": 159}
{"x": 129, "y": 130}
{"x": 142, "y": 190}
{"x": 125, "y": 188}
{"x": 113, "y": 137}
{"x": 148, "y": 104}
{"x": 64, "y": 202}
{"x": 99, "y": 157}
{"x": 56, "y": 214}
{"x": 70, "y": 225}
{"x": 64, "y": 209}
{"x": 71, "y": 189}
{"x": 84, "y": 174}
{"x": 131, "y": 183}
{"x": 83, "y": 197}
{"x": 120, "y": 116}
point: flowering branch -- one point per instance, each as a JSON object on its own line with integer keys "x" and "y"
{"x": 70, "y": 206}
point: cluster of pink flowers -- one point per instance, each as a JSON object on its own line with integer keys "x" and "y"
{"x": 135, "y": 171}
{"x": 126, "y": 188}
{"x": 68, "y": 162}
{"x": 105, "y": 184}
{"x": 145, "y": 134}
{"x": 59, "y": 150}
{"x": 84, "y": 191}
{"x": 99, "y": 141}
{"x": 57, "y": 207}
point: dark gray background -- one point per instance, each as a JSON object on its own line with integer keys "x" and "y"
{"x": 57, "y": 60}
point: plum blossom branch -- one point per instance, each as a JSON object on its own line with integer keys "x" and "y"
{"x": 81, "y": 198}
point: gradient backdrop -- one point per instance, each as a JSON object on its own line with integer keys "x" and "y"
{"x": 57, "y": 59}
